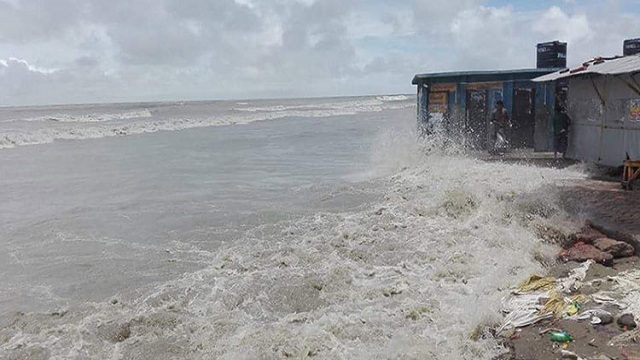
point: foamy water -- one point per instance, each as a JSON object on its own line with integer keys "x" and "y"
{"x": 18, "y": 126}
{"x": 375, "y": 246}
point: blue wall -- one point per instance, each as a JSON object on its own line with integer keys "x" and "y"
{"x": 545, "y": 97}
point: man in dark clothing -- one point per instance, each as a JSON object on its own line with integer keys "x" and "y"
{"x": 561, "y": 123}
{"x": 501, "y": 121}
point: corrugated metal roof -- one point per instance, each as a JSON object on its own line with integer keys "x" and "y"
{"x": 484, "y": 74}
{"x": 602, "y": 66}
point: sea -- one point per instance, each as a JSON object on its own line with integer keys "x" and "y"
{"x": 320, "y": 228}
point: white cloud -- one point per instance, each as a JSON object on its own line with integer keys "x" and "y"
{"x": 491, "y": 38}
{"x": 121, "y": 50}
{"x": 21, "y": 63}
{"x": 555, "y": 23}
{"x": 435, "y": 15}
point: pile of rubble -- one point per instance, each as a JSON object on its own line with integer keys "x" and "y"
{"x": 590, "y": 244}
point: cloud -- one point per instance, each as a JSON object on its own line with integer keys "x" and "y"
{"x": 26, "y": 21}
{"x": 25, "y": 83}
{"x": 555, "y": 23}
{"x": 21, "y": 79}
{"x": 121, "y": 50}
{"x": 484, "y": 36}
{"x": 435, "y": 15}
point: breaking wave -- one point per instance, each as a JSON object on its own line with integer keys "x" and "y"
{"x": 411, "y": 276}
{"x": 89, "y": 118}
{"x": 393, "y": 98}
{"x": 93, "y": 126}
{"x": 369, "y": 105}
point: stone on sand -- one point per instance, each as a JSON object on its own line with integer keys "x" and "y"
{"x": 627, "y": 321}
{"x": 581, "y": 252}
{"x": 616, "y": 248}
{"x": 587, "y": 235}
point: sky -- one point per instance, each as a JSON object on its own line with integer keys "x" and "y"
{"x": 96, "y": 51}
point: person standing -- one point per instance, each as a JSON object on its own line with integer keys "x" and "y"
{"x": 561, "y": 123}
{"x": 501, "y": 121}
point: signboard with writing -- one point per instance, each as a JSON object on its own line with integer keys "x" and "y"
{"x": 438, "y": 102}
{"x": 634, "y": 114}
{"x": 443, "y": 87}
{"x": 484, "y": 85}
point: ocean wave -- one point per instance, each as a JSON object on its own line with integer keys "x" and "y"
{"x": 89, "y": 118}
{"x": 48, "y": 134}
{"x": 407, "y": 277}
{"x": 382, "y": 102}
{"x": 393, "y": 98}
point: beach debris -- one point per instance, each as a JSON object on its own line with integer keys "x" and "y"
{"x": 581, "y": 252}
{"x": 530, "y": 302}
{"x": 574, "y": 308}
{"x": 544, "y": 331}
{"x": 522, "y": 310}
{"x": 617, "y": 249}
{"x": 536, "y": 283}
{"x": 555, "y": 305}
{"x": 596, "y": 316}
{"x": 627, "y": 322}
{"x": 561, "y": 337}
{"x": 604, "y": 299}
{"x": 573, "y": 282}
{"x": 561, "y": 306}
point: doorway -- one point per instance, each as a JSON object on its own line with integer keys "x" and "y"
{"x": 476, "y": 124}
{"x": 523, "y": 119}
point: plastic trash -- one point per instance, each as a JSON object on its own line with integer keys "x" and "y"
{"x": 596, "y": 316}
{"x": 559, "y": 306}
{"x": 574, "y": 309}
{"x": 539, "y": 298}
{"x": 561, "y": 337}
{"x": 573, "y": 282}
{"x": 536, "y": 283}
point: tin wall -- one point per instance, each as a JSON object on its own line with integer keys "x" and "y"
{"x": 605, "y": 126}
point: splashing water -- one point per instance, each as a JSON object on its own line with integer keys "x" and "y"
{"x": 410, "y": 276}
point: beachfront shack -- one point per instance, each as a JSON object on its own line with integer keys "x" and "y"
{"x": 603, "y": 102}
{"x": 460, "y": 105}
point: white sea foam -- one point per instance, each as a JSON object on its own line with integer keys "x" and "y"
{"x": 393, "y": 98}
{"x": 406, "y": 277}
{"x": 89, "y": 118}
{"x": 76, "y": 127}
{"x": 360, "y": 105}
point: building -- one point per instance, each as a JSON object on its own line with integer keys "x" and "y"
{"x": 603, "y": 102}
{"x": 460, "y": 104}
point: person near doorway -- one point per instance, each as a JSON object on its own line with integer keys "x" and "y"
{"x": 561, "y": 123}
{"x": 501, "y": 121}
